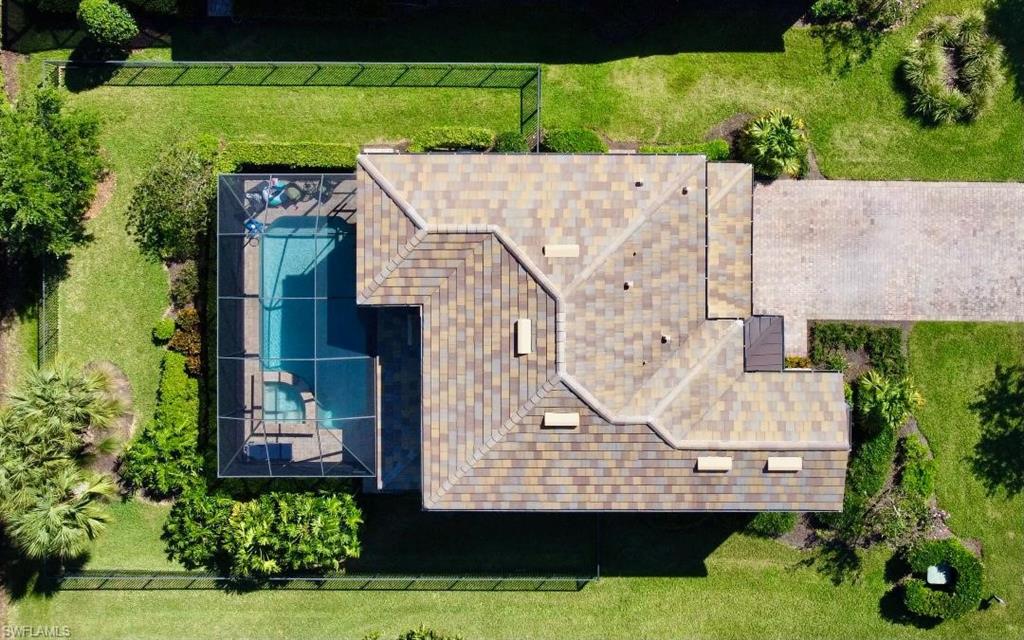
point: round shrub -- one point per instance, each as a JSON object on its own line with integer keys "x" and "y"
{"x": 163, "y": 330}
{"x": 771, "y": 524}
{"x": 511, "y": 142}
{"x": 944, "y": 603}
{"x": 185, "y": 287}
{"x": 953, "y": 69}
{"x": 572, "y": 141}
{"x": 775, "y": 144}
{"x": 108, "y": 23}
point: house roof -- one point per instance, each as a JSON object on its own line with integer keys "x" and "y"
{"x": 639, "y": 333}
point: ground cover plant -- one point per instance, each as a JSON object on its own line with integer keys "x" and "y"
{"x": 832, "y": 343}
{"x": 953, "y": 69}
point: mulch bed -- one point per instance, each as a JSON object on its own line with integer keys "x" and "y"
{"x": 729, "y": 129}
{"x": 123, "y": 428}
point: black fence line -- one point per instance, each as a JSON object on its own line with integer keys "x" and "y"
{"x": 524, "y": 78}
{"x": 134, "y": 580}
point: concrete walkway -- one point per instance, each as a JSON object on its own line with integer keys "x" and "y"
{"x": 826, "y": 249}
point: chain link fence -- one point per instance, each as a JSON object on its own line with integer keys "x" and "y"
{"x": 48, "y": 329}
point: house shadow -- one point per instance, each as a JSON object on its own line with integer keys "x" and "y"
{"x": 400, "y": 538}
{"x": 997, "y": 456}
{"x": 585, "y": 31}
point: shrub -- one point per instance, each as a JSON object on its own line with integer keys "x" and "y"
{"x": 953, "y": 69}
{"x": 188, "y": 340}
{"x": 835, "y": 361}
{"x": 886, "y": 402}
{"x": 185, "y": 286}
{"x": 715, "y": 150}
{"x": 512, "y": 142}
{"x": 272, "y": 534}
{"x": 293, "y": 156}
{"x": 163, "y": 330}
{"x": 775, "y": 144}
{"x": 917, "y": 476}
{"x": 833, "y": 10}
{"x": 452, "y": 139}
{"x": 164, "y": 458}
{"x": 883, "y": 345}
{"x": 876, "y": 15}
{"x": 965, "y": 595}
{"x": 49, "y": 167}
{"x": 108, "y": 23}
{"x": 572, "y": 141}
{"x": 162, "y": 7}
{"x": 56, "y": 6}
{"x": 171, "y": 208}
{"x": 798, "y": 362}
{"x": 771, "y": 524}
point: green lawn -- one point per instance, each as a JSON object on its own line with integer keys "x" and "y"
{"x": 665, "y": 576}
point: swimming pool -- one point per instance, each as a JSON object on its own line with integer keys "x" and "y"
{"x": 311, "y": 326}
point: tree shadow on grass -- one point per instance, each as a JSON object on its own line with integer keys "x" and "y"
{"x": 892, "y": 608}
{"x": 998, "y": 455}
{"x": 1006, "y": 22}
{"x": 836, "y": 560}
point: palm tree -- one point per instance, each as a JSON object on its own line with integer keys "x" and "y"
{"x": 66, "y": 401}
{"x": 63, "y": 517}
{"x": 887, "y": 402}
{"x": 775, "y": 144}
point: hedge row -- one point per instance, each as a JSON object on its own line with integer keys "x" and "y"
{"x": 715, "y": 150}
{"x": 238, "y": 156}
{"x": 277, "y": 532}
{"x": 965, "y": 595}
{"x": 164, "y": 460}
{"x": 917, "y": 475}
{"x": 452, "y": 139}
{"x": 883, "y": 345}
{"x": 572, "y": 141}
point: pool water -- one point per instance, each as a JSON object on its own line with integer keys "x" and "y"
{"x": 282, "y": 401}
{"x": 311, "y": 326}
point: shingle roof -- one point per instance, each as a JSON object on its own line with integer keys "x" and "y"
{"x": 621, "y": 334}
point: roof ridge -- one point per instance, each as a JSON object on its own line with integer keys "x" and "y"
{"x": 392, "y": 265}
{"x": 626, "y": 234}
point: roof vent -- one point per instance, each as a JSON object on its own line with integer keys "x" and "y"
{"x": 561, "y": 419}
{"x": 562, "y": 250}
{"x": 686, "y": 190}
{"x": 627, "y": 285}
{"x": 638, "y": 183}
{"x": 665, "y": 338}
{"x": 524, "y": 336}
{"x": 781, "y": 463}
{"x": 714, "y": 463}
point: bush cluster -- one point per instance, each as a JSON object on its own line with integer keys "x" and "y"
{"x": 771, "y": 524}
{"x": 883, "y": 345}
{"x": 272, "y": 534}
{"x": 108, "y": 23}
{"x": 452, "y": 139}
{"x": 295, "y": 156}
{"x": 716, "y": 150}
{"x": 511, "y": 142}
{"x": 171, "y": 208}
{"x": 572, "y": 141}
{"x": 775, "y": 144}
{"x": 953, "y": 69}
{"x": 877, "y": 15}
{"x": 164, "y": 459}
{"x": 964, "y": 597}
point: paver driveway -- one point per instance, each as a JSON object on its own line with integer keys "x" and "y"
{"x": 828, "y": 249}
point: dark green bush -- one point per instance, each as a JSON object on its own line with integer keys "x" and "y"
{"x": 572, "y": 141}
{"x": 883, "y": 345}
{"x": 185, "y": 286}
{"x": 833, "y": 10}
{"x": 292, "y": 156}
{"x": 771, "y": 524}
{"x": 715, "y": 150}
{"x": 272, "y": 534}
{"x": 171, "y": 208}
{"x": 876, "y": 15}
{"x": 49, "y": 167}
{"x": 108, "y": 23}
{"x": 161, "y": 7}
{"x": 953, "y": 69}
{"x": 511, "y": 142}
{"x": 452, "y": 139}
{"x": 163, "y": 330}
{"x": 164, "y": 458}
{"x": 917, "y": 477}
{"x": 776, "y": 144}
{"x": 943, "y": 604}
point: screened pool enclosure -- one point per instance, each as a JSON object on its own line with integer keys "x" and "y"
{"x": 296, "y": 375}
